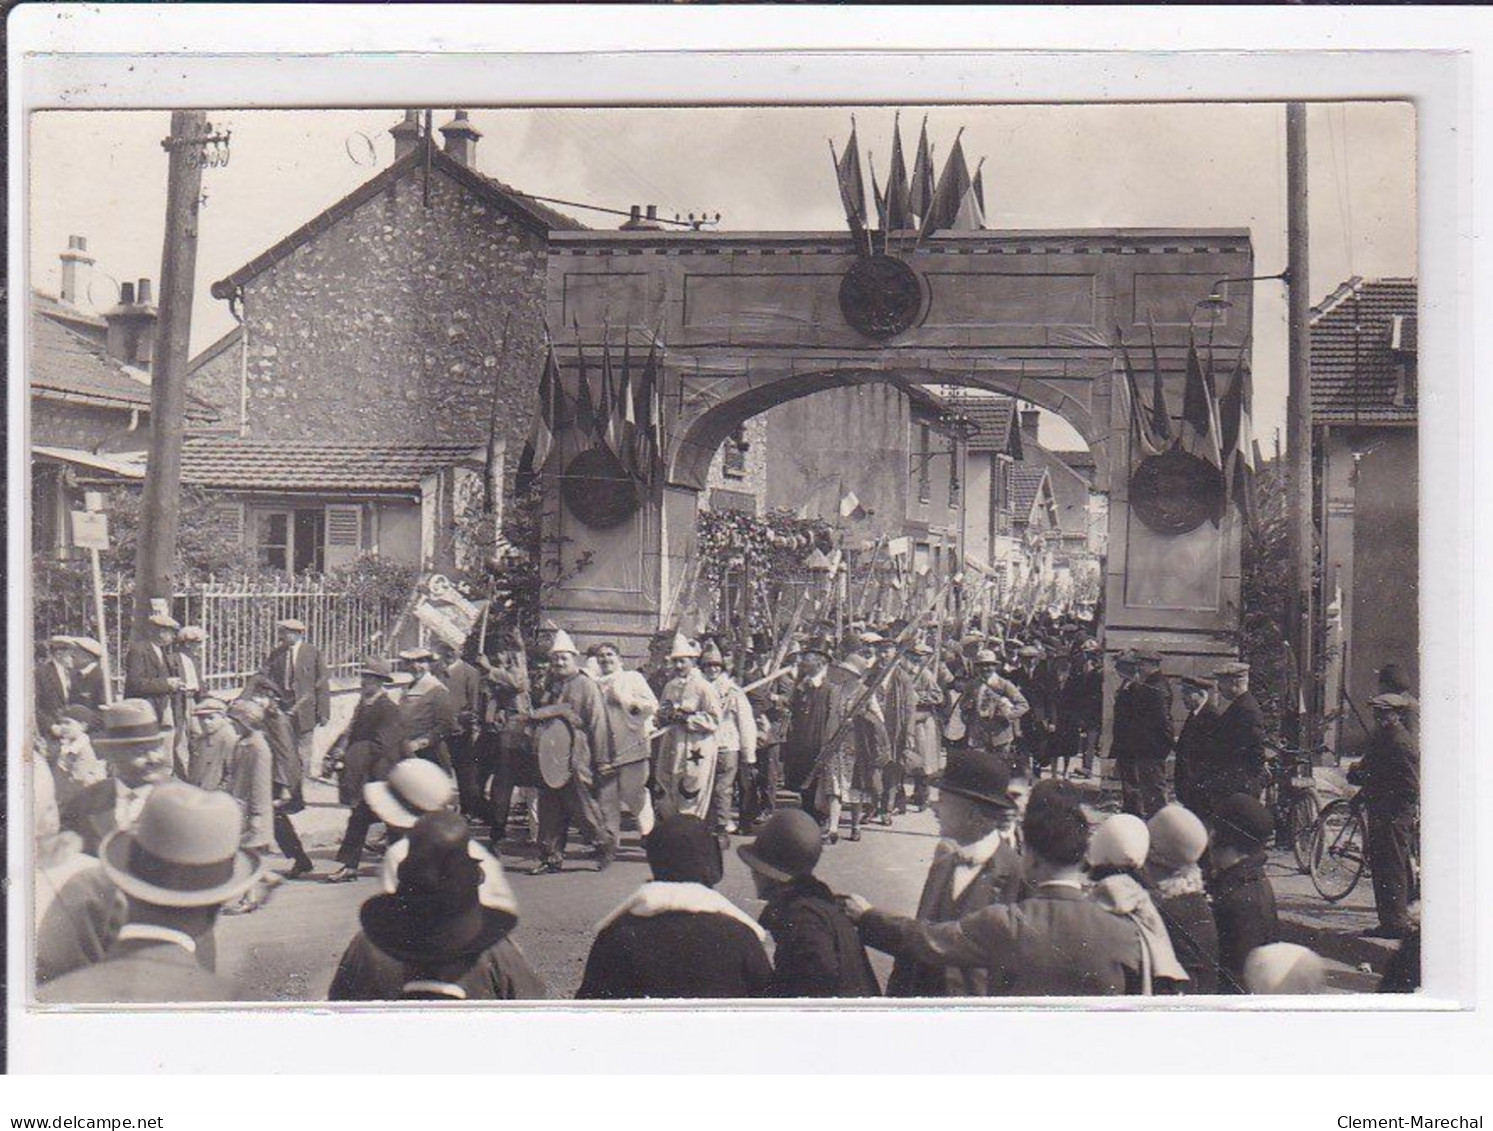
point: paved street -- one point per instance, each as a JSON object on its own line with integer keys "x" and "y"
{"x": 288, "y": 950}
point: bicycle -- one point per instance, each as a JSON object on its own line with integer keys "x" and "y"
{"x": 1339, "y": 852}
{"x": 1292, "y": 798}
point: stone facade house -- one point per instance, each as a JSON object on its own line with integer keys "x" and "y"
{"x": 398, "y": 331}
{"x": 88, "y": 378}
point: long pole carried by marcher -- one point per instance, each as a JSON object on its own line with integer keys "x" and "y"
{"x": 868, "y": 690}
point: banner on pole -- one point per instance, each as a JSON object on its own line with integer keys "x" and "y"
{"x": 449, "y": 615}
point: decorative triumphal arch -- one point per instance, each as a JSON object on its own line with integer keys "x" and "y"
{"x": 748, "y": 321}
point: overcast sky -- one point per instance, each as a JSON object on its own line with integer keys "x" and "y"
{"x": 102, "y": 174}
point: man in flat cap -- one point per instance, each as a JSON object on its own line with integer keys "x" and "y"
{"x": 1237, "y": 763}
{"x": 296, "y": 667}
{"x": 1194, "y": 743}
{"x": 152, "y": 673}
{"x": 1142, "y": 736}
{"x": 1389, "y": 774}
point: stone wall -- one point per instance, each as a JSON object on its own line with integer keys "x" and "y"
{"x": 388, "y": 326}
{"x": 83, "y": 426}
{"x": 753, "y": 477}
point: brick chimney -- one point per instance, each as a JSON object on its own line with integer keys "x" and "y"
{"x": 77, "y": 272}
{"x": 406, "y": 134}
{"x": 637, "y": 221}
{"x": 1029, "y": 419}
{"x": 461, "y": 139}
{"x": 132, "y": 326}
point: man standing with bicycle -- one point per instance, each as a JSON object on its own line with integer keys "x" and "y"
{"x": 1389, "y": 775}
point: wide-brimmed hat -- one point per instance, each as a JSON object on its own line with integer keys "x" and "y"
{"x": 183, "y": 850}
{"x": 378, "y": 668}
{"x": 684, "y": 648}
{"x": 435, "y": 915}
{"x": 130, "y": 724}
{"x": 413, "y": 788}
{"x": 682, "y": 849}
{"x": 292, "y": 624}
{"x": 919, "y": 649}
{"x": 787, "y": 847}
{"x": 819, "y": 645}
{"x": 711, "y": 654}
{"x": 211, "y": 706}
{"x": 417, "y": 655}
{"x": 88, "y": 644}
{"x": 161, "y": 620}
{"x": 986, "y": 657}
{"x": 980, "y": 775}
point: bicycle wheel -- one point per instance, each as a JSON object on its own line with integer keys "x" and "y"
{"x": 1301, "y": 820}
{"x": 1337, "y": 854}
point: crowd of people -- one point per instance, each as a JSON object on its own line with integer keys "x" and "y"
{"x": 156, "y": 813}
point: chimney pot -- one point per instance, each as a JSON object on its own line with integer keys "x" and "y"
{"x": 653, "y": 212}
{"x": 76, "y": 272}
{"x": 406, "y": 133}
{"x": 126, "y": 294}
{"x": 1029, "y": 419}
{"x": 461, "y": 139}
{"x": 142, "y": 292}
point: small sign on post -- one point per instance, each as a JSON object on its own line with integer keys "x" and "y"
{"x": 91, "y": 530}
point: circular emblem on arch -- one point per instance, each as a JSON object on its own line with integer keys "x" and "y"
{"x": 1176, "y": 492}
{"x": 881, "y": 296}
{"x": 598, "y": 490}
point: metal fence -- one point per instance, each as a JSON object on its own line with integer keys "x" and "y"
{"x": 239, "y": 619}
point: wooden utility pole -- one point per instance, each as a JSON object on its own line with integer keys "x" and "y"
{"x": 1302, "y": 540}
{"x": 160, "y": 503}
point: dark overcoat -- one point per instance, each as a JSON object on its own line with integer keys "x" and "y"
{"x": 307, "y": 689}
{"x": 819, "y": 954}
{"x": 1190, "y": 926}
{"x": 1244, "y": 910}
{"x": 374, "y": 743}
{"x": 1142, "y": 725}
{"x": 1237, "y": 764}
{"x": 676, "y": 954}
{"x": 1194, "y": 749}
{"x": 147, "y": 672}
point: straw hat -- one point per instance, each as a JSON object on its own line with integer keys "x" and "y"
{"x": 414, "y": 788}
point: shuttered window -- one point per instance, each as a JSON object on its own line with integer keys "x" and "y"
{"x": 230, "y": 517}
{"x": 345, "y": 526}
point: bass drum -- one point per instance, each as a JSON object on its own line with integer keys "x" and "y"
{"x": 552, "y": 746}
{"x": 517, "y": 745}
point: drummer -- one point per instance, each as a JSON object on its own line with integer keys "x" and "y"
{"x": 573, "y": 742}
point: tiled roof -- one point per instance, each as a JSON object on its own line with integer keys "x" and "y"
{"x": 54, "y": 307}
{"x": 66, "y": 366}
{"x": 285, "y": 465}
{"x": 1082, "y": 461}
{"x": 1026, "y": 485}
{"x": 1355, "y": 373}
{"x": 993, "y": 416}
{"x": 536, "y": 215}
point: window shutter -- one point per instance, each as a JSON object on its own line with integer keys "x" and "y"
{"x": 230, "y": 518}
{"x": 345, "y": 527}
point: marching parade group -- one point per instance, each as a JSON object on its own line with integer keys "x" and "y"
{"x": 154, "y": 814}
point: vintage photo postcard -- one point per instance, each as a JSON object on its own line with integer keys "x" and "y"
{"x": 538, "y": 558}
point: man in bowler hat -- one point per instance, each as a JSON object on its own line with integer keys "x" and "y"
{"x": 976, "y": 864}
